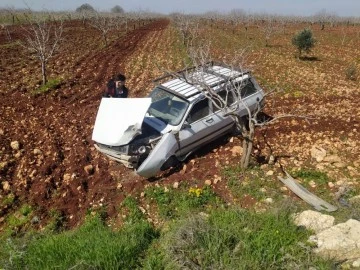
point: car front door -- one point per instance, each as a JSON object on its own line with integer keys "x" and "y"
{"x": 202, "y": 126}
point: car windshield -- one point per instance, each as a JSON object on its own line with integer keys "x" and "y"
{"x": 167, "y": 107}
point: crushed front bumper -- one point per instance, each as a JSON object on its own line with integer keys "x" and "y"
{"x": 128, "y": 161}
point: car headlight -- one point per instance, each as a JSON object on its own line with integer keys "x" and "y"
{"x": 141, "y": 149}
{"x": 138, "y": 149}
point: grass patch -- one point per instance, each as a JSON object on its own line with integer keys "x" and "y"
{"x": 251, "y": 183}
{"x": 49, "y": 86}
{"x": 312, "y": 178}
{"x": 91, "y": 246}
{"x": 235, "y": 239}
{"x": 173, "y": 203}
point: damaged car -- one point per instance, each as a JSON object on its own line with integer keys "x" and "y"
{"x": 153, "y": 133}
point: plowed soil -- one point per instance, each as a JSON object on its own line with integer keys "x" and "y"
{"x": 56, "y": 167}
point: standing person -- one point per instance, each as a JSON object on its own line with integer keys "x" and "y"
{"x": 116, "y": 87}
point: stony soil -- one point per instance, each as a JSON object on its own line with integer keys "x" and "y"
{"x": 54, "y": 166}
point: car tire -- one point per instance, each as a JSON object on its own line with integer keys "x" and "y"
{"x": 170, "y": 162}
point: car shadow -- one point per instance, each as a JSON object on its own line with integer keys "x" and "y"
{"x": 309, "y": 58}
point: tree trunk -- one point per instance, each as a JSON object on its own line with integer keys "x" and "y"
{"x": 247, "y": 145}
{"x": 43, "y": 72}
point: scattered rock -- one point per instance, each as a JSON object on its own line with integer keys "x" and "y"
{"x": 313, "y": 220}
{"x": 119, "y": 186}
{"x": 262, "y": 190}
{"x": 142, "y": 194}
{"x": 271, "y": 160}
{"x": 208, "y": 182}
{"x": 340, "y": 165}
{"x": 18, "y": 154}
{"x": 15, "y": 145}
{"x": 312, "y": 184}
{"x": 332, "y": 159}
{"x": 355, "y": 200}
{"x": 6, "y": 186}
{"x": 66, "y": 177}
{"x": 341, "y": 242}
{"x": 318, "y": 153}
{"x": 2, "y": 132}
{"x": 183, "y": 170}
{"x": 37, "y": 151}
{"x": 35, "y": 220}
{"x": 236, "y": 150}
{"x": 3, "y": 166}
{"x": 89, "y": 169}
{"x": 176, "y": 185}
{"x": 356, "y": 263}
{"x": 217, "y": 179}
{"x": 269, "y": 173}
{"x": 269, "y": 200}
{"x": 331, "y": 184}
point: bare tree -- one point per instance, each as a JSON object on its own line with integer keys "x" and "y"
{"x": 269, "y": 28}
{"x": 42, "y": 38}
{"x": 103, "y": 24}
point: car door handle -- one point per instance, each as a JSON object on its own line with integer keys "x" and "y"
{"x": 210, "y": 120}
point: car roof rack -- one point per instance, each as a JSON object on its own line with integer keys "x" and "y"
{"x": 183, "y": 86}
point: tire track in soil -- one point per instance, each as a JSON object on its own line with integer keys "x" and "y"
{"x": 62, "y": 123}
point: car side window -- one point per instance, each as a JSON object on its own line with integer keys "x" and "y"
{"x": 199, "y": 111}
{"x": 247, "y": 89}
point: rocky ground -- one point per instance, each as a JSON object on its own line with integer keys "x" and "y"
{"x": 47, "y": 158}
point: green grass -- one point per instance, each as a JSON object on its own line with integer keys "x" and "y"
{"x": 251, "y": 182}
{"x": 234, "y": 239}
{"x": 172, "y": 203}
{"x": 92, "y": 246}
{"x": 52, "y": 84}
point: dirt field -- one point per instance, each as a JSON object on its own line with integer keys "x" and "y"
{"x": 56, "y": 168}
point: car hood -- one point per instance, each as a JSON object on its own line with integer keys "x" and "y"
{"x": 119, "y": 120}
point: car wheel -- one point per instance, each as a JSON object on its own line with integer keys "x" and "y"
{"x": 170, "y": 162}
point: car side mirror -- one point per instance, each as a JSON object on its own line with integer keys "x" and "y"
{"x": 186, "y": 125}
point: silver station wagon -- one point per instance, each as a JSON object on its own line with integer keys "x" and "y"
{"x": 150, "y": 134}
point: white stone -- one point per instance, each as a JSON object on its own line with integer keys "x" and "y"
{"x": 176, "y": 185}
{"x": 318, "y": 153}
{"x": 37, "y": 151}
{"x": 332, "y": 159}
{"x": 356, "y": 264}
{"x": 313, "y": 220}
{"x": 15, "y": 145}
{"x": 6, "y": 186}
{"x": 269, "y": 173}
{"x": 340, "y": 242}
{"x": 269, "y": 200}
{"x": 331, "y": 184}
{"x": 236, "y": 151}
{"x": 208, "y": 182}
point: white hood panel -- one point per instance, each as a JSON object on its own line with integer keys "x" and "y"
{"x": 119, "y": 120}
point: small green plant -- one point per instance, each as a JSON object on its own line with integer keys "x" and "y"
{"x": 174, "y": 203}
{"x": 350, "y": 73}
{"x": 8, "y": 200}
{"x": 134, "y": 214}
{"x": 304, "y": 41}
{"x": 308, "y": 175}
{"x": 51, "y": 84}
